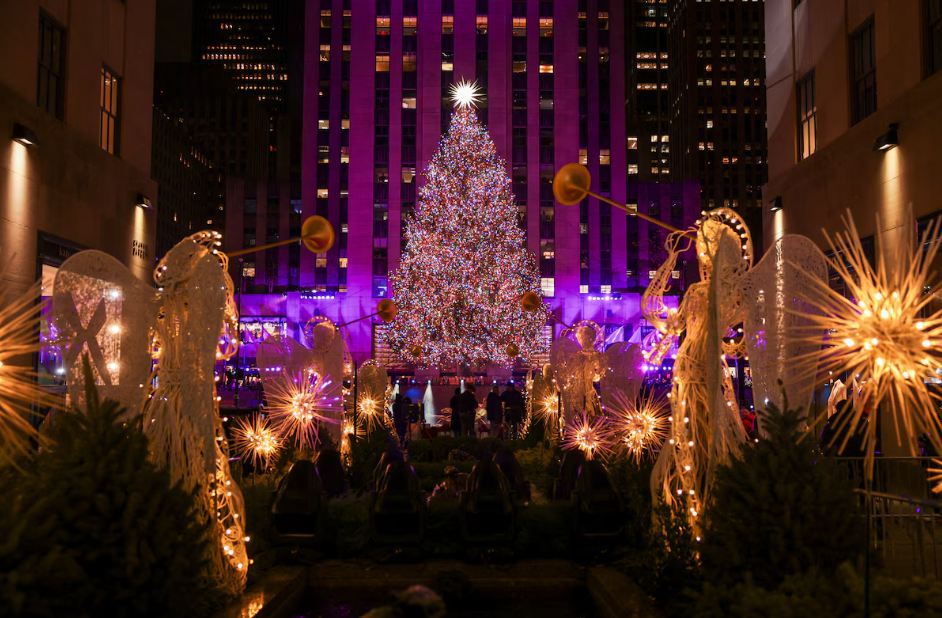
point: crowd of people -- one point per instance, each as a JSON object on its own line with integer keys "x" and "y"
{"x": 504, "y": 412}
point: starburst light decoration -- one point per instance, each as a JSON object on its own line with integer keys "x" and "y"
{"x": 936, "y": 476}
{"x": 465, "y": 94}
{"x": 641, "y": 426}
{"x": 882, "y": 332}
{"x": 465, "y": 266}
{"x": 593, "y": 435}
{"x": 19, "y": 321}
{"x": 300, "y": 402}
{"x": 256, "y": 441}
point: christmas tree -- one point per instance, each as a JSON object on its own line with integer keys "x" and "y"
{"x": 465, "y": 267}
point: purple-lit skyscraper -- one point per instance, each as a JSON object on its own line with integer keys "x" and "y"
{"x": 376, "y": 79}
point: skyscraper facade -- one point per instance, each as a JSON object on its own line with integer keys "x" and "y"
{"x": 718, "y": 102}
{"x": 376, "y": 102}
{"x": 248, "y": 40}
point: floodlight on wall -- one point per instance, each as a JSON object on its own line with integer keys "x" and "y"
{"x": 24, "y": 135}
{"x": 888, "y": 140}
{"x": 144, "y": 202}
{"x": 776, "y": 204}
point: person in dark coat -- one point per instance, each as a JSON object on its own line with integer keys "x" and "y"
{"x": 400, "y": 414}
{"x": 513, "y": 408}
{"x": 495, "y": 409}
{"x": 456, "y": 412}
{"x": 469, "y": 407}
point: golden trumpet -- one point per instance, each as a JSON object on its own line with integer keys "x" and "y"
{"x": 572, "y": 184}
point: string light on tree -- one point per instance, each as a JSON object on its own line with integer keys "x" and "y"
{"x": 465, "y": 268}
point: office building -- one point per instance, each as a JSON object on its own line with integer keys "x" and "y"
{"x": 182, "y": 173}
{"x": 75, "y": 136}
{"x": 717, "y": 93}
{"x": 854, "y": 117}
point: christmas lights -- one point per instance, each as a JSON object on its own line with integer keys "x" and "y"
{"x": 884, "y": 332}
{"x": 300, "y": 402}
{"x": 254, "y": 440}
{"x": 640, "y": 426}
{"x": 591, "y": 434}
{"x": 465, "y": 267}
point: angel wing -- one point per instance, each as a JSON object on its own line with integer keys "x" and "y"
{"x": 776, "y": 322}
{"x": 624, "y": 372}
{"x": 102, "y": 310}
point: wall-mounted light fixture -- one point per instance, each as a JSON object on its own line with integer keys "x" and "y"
{"x": 776, "y": 204}
{"x": 888, "y": 140}
{"x": 24, "y": 135}
{"x": 144, "y": 202}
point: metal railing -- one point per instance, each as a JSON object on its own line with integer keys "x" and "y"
{"x": 906, "y": 532}
{"x": 903, "y": 476}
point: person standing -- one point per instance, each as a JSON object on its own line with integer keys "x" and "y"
{"x": 400, "y": 411}
{"x": 456, "y": 412}
{"x": 469, "y": 408}
{"x": 495, "y": 410}
{"x": 513, "y": 409}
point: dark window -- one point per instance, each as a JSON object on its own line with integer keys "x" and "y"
{"x": 108, "y": 130}
{"x": 49, "y": 83}
{"x": 863, "y": 71}
{"x": 807, "y": 125}
{"x": 933, "y": 36}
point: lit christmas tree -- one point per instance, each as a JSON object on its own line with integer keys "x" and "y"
{"x": 465, "y": 267}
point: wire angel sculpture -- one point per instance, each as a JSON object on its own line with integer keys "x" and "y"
{"x": 155, "y": 353}
{"x": 705, "y": 429}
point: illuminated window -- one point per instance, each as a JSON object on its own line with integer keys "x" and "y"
{"x": 325, "y": 18}
{"x": 583, "y": 289}
{"x": 603, "y": 54}
{"x": 408, "y": 62}
{"x": 632, "y": 143}
{"x": 548, "y": 286}
{"x": 606, "y": 289}
{"x": 382, "y": 63}
{"x": 320, "y": 262}
{"x": 408, "y": 174}
{"x": 482, "y": 24}
{"x": 603, "y": 20}
{"x": 448, "y": 61}
{"x": 632, "y": 168}
{"x": 382, "y": 25}
{"x": 702, "y": 146}
{"x": 343, "y": 262}
{"x": 709, "y": 124}
{"x": 448, "y": 24}
{"x": 109, "y": 126}
{"x": 546, "y": 68}
{"x": 807, "y": 109}
{"x": 520, "y": 26}
{"x": 605, "y": 157}
{"x": 344, "y": 154}
{"x": 408, "y": 26}
{"x": 322, "y": 193}
{"x": 408, "y": 102}
{"x": 345, "y": 123}
{"x": 325, "y": 53}
{"x": 323, "y": 124}
{"x": 655, "y": 170}
{"x": 583, "y": 156}
{"x": 546, "y": 26}
{"x": 520, "y": 66}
